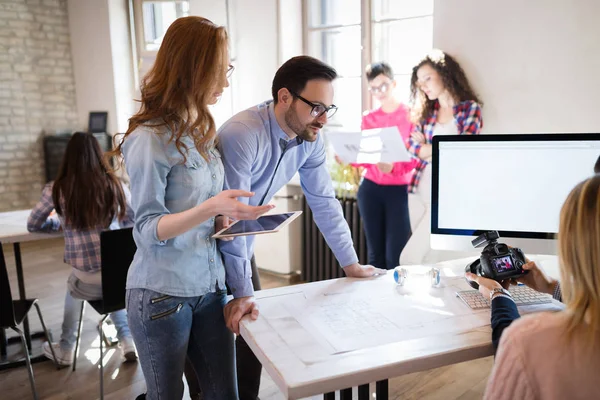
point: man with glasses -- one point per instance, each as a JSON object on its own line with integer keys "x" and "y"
{"x": 263, "y": 148}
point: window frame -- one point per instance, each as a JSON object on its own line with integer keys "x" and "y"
{"x": 367, "y": 24}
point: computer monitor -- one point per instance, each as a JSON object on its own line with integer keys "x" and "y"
{"x": 515, "y": 184}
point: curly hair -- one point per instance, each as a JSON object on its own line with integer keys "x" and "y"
{"x": 453, "y": 78}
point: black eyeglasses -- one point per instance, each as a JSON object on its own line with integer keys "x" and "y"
{"x": 317, "y": 109}
{"x": 229, "y": 72}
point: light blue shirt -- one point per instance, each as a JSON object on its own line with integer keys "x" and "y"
{"x": 252, "y": 145}
{"x": 190, "y": 264}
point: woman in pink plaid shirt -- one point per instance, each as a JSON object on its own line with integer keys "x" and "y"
{"x": 443, "y": 104}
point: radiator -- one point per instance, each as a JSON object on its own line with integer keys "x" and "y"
{"x": 318, "y": 261}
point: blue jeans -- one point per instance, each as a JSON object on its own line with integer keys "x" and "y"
{"x": 77, "y": 291}
{"x": 384, "y": 212}
{"x": 167, "y": 329}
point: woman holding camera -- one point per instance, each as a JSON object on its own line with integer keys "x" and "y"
{"x": 554, "y": 355}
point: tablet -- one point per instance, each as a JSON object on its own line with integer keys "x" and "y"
{"x": 265, "y": 224}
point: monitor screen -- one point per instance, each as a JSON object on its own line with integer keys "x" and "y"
{"x": 515, "y": 184}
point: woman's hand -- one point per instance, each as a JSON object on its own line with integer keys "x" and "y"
{"x": 418, "y": 137}
{"x": 384, "y": 167}
{"x": 537, "y": 279}
{"x": 222, "y": 222}
{"x": 227, "y": 204}
{"x": 486, "y": 285}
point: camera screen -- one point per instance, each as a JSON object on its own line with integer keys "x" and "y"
{"x": 503, "y": 264}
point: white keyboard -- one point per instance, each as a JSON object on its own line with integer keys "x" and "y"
{"x": 521, "y": 294}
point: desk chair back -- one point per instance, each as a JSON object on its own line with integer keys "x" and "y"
{"x": 117, "y": 248}
{"x": 7, "y": 312}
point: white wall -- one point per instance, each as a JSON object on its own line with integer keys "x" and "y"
{"x": 122, "y": 63}
{"x": 102, "y": 62}
{"x": 535, "y": 63}
{"x": 92, "y": 60}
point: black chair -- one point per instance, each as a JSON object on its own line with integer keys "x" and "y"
{"x": 117, "y": 248}
{"x": 12, "y": 314}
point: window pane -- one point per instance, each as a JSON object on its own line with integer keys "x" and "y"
{"x": 384, "y": 9}
{"x": 334, "y": 12}
{"x": 157, "y": 18}
{"x": 347, "y": 97}
{"x": 402, "y": 43}
{"x": 340, "y": 48}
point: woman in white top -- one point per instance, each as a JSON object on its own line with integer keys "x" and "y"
{"x": 443, "y": 103}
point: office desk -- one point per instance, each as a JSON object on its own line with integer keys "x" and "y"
{"x": 330, "y": 335}
{"x": 13, "y": 229}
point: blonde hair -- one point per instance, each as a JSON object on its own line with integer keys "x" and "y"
{"x": 579, "y": 255}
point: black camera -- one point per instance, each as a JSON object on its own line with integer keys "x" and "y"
{"x": 497, "y": 261}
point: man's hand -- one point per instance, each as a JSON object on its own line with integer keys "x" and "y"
{"x": 384, "y": 167}
{"x": 362, "y": 271}
{"x": 236, "y": 309}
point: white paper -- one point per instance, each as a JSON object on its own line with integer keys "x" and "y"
{"x": 369, "y": 146}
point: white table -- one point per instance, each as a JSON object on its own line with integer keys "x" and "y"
{"x": 13, "y": 229}
{"x": 330, "y": 335}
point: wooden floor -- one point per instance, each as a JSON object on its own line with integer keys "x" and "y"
{"x": 46, "y": 276}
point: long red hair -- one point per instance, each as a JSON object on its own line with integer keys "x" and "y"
{"x": 178, "y": 88}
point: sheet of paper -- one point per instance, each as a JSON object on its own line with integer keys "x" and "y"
{"x": 369, "y": 146}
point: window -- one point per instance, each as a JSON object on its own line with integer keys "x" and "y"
{"x": 151, "y": 19}
{"x": 350, "y": 34}
{"x": 156, "y": 18}
{"x": 334, "y": 36}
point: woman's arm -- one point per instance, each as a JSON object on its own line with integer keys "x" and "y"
{"x": 504, "y": 312}
{"x": 39, "y": 220}
{"x": 504, "y": 309}
{"x": 510, "y": 376}
{"x": 148, "y": 166}
{"x": 473, "y": 121}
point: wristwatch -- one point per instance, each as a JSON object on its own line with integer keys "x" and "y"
{"x": 499, "y": 290}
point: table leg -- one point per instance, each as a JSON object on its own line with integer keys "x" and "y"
{"x": 364, "y": 393}
{"x": 346, "y": 394}
{"x": 381, "y": 390}
{"x": 22, "y": 295}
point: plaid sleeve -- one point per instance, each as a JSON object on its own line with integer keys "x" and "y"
{"x": 39, "y": 220}
{"x": 472, "y": 123}
{"x": 413, "y": 147}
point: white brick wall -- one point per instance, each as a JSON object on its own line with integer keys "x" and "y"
{"x": 37, "y": 93}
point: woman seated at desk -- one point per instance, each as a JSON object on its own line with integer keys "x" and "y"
{"x": 88, "y": 199}
{"x": 554, "y": 355}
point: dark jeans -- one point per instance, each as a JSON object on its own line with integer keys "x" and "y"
{"x": 384, "y": 212}
{"x": 249, "y": 368}
{"x": 167, "y": 330}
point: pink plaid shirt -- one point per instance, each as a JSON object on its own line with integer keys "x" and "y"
{"x": 468, "y": 121}
{"x": 82, "y": 247}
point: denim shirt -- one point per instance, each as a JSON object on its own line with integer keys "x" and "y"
{"x": 161, "y": 183}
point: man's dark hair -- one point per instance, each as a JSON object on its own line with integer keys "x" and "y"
{"x": 374, "y": 70}
{"x": 297, "y": 71}
{"x": 597, "y": 166}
